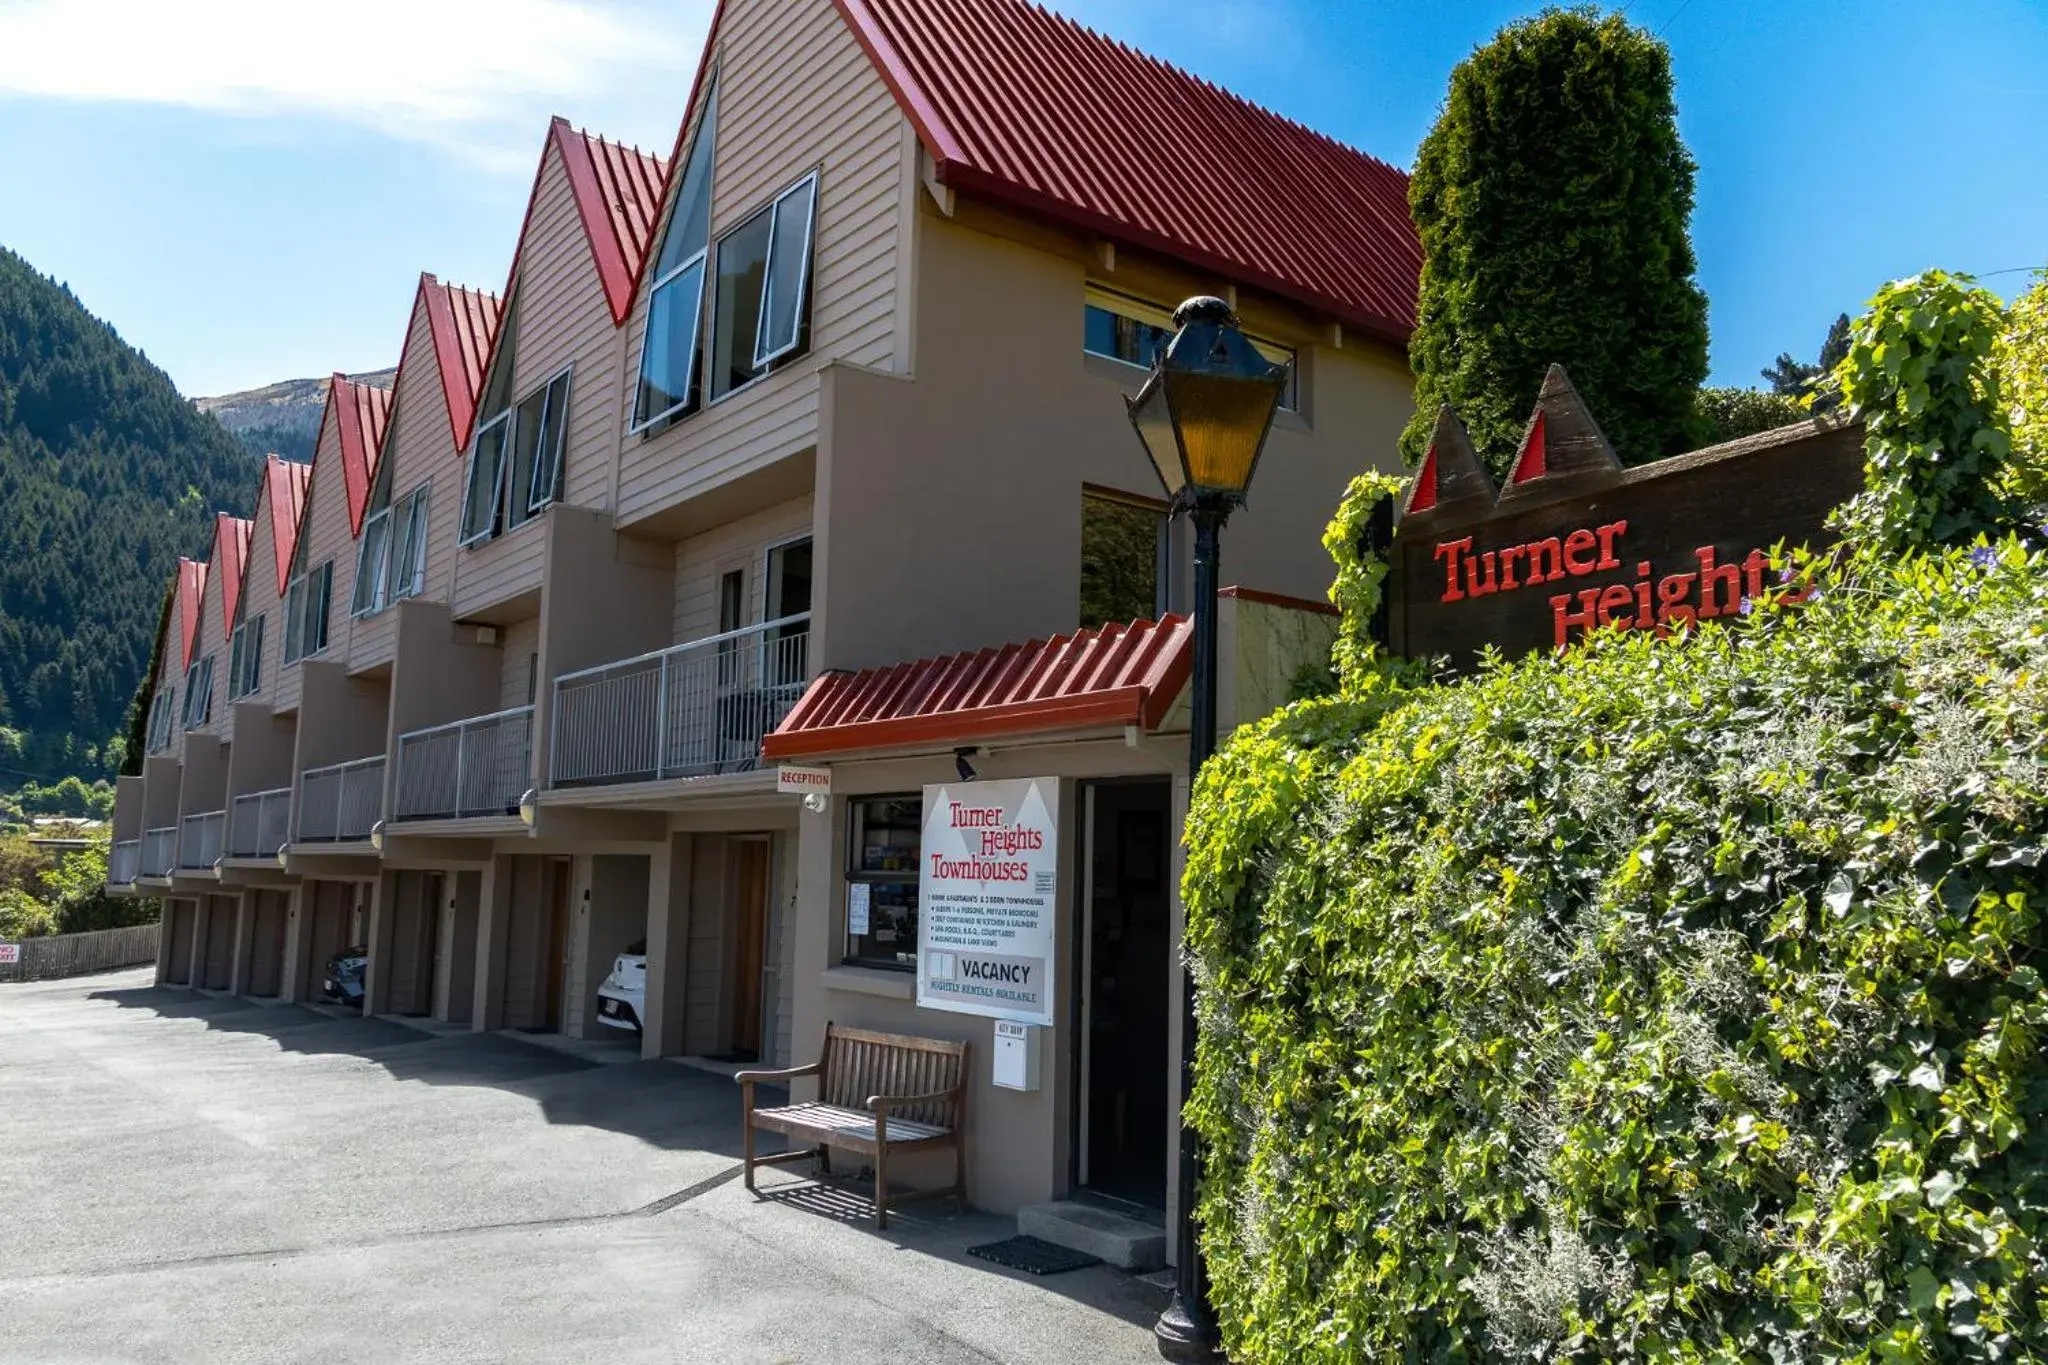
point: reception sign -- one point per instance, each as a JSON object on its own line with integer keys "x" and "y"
{"x": 1575, "y": 543}
{"x": 987, "y": 888}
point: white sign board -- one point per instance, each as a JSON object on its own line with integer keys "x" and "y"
{"x": 803, "y": 781}
{"x": 987, "y": 883}
{"x": 9, "y": 953}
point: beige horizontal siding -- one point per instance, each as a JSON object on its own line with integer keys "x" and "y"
{"x": 702, "y": 560}
{"x": 170, "y": 673}
{"x": 522, "y": 642}
{"x": 796, "y": 94}
{"x": 419, "y": 449}
{"x": 563, "y": 322}
{"x": 325, "y": 531}
{"x": 259, "y": 595}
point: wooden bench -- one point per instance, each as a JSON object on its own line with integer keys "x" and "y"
{"x": 877, "y": 1093}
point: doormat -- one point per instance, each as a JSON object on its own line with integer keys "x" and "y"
{"x": 1033, "y": 1256}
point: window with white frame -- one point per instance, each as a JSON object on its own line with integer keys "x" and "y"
{"x": 372, "y": 546}
{"x": 245, "y": 658}
{"x": 670, "y": 346}
{"x": 515, "y": 464}
{"x": 199, "y": 692}
{"x": 762, "y": 287}
{"x": 1118, "y": 327}
{"x": 162, "y": 711}
{"x": 305, "y": 611}
{"x": 406, "y": 565}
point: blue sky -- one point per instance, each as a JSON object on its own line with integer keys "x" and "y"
{"x": 248, "y": 190}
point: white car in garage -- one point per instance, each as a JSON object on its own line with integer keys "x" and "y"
{"x": 622, "y": 997}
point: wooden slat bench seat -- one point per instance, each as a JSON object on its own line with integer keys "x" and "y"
{"x": 877, "y": 1093}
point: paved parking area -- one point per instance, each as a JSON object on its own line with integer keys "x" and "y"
{"x": 194, "y": 1178}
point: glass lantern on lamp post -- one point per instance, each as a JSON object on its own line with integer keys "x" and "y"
{"x": 1203, "y": 416}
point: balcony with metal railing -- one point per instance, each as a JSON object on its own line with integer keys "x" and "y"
{"x": 467, "y": 769}
{"x": 200, "y": 840}
{"x": 159, "y": 852}
{"x": 692, "y": 710}
{"x": 260, "y": 823}
{"x": 340, "y": 803}
{"x": 122, "y": 861}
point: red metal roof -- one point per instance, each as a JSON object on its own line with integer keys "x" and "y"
{"x": 618, "y": 194}
{"x": 363, "y": 412}
{"x": 191, "y": 596}
{"x": 231, "y": 560}
{"x": 284, "y": 483}
{"x": 1032, "y": 109}
{"x": 1113, "y": 676}
{"x": 464, "y": 323}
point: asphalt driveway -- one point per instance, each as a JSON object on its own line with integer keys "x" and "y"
{"x": 195, "y": 1178}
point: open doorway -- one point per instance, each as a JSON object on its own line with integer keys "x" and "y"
{"x": 1126, "y": 974}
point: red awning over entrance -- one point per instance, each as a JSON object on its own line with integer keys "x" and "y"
{"x": 1093, "y": 679}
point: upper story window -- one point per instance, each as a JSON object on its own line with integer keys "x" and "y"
{"x": 245, "y": 658}
{"x": 391, "y": 557}
{"x": 1125, "y": 558}
{"x": 675, "y": 305}
{"x": 1118, "y": 327}
{"x": 516, "y": 460}
{"x": 305, "y": 606}
{"x": 161, "y": 712}
{"x": 759, "y": 312}
{"x": 199, "y": 692}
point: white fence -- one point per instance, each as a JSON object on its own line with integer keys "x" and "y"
{"x": 339, "y": 803}
{"x": 200, "y": 840}
{"x": 689, "y": 711}
{"x": 76, "y": 954}
{"x": 122, "y": 861}
{"x": 159, "y": 852}
{"x": 478, "y": 766}
{"x": 261, "y": 824}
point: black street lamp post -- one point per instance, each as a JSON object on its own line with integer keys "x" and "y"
{"x": 1203, "y": 415}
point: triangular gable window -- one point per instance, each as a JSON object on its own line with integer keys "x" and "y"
{"x": 516, "y": 461}
{"x": 669, "y": 352}
{"x": 306, "y": 596}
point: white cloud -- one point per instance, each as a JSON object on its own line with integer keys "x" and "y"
{"x": 468, "y": 75}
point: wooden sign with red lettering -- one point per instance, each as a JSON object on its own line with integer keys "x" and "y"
{"x": 1576, "y": 542}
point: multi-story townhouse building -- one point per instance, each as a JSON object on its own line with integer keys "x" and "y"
{"x": 807, "y": 445}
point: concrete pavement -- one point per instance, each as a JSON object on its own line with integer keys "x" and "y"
{"x": 192, "y": 1178}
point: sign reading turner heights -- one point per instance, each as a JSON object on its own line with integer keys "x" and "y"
{"x": 1575, "y": 542}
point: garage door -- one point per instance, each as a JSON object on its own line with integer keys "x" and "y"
{"x": 266, "y": 942}
{"x": 179, "y": 926}
{"x": 220, "y": 943}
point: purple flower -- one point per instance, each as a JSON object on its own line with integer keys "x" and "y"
{"x": 1984, "y": 557}
{"x": 1746, "y": 608}
{"x": 1787, "y": 574}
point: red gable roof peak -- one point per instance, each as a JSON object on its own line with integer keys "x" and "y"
{"x": 363, "y": 412}
{"x": 463, "y": 324}
{"x": 230, "y": 562}
{"x": 284, "y": 486}
{"x": 1041, "y": 113}
{"x": 191, "y": 596}
{"x": 618, "y": 191}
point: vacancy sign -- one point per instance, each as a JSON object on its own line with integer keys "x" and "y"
{"x": 987, "y": 881}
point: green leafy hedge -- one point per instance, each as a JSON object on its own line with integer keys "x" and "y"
{"x": 1672, "y": 1000}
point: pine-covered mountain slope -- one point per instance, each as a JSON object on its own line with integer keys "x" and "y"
{"x": 107, "y": 475}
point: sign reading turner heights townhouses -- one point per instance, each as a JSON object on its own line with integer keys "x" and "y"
{"x": 1575, "y": 542}
{"x": 987, "y": 889}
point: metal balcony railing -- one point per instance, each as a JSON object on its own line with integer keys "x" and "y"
{"x": 159, "y": 852}
{"x": 339, "y": 803}
{"x": 260, "y": 823}
{"x": 473, "y": 767}
{"x": 122, "y": 861}
{"x": 200, "y": 839}
{"x": 687, "y": 711}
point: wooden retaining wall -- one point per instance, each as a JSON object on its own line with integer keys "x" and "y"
{"x": 78, "y": 954}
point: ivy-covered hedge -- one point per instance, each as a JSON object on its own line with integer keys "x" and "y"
{"x": 1671, "y": 1000}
